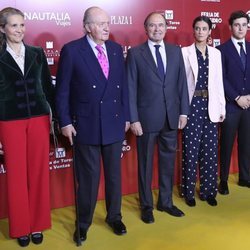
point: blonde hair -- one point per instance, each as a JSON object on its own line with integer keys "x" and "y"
{"x": 4, "y": 14}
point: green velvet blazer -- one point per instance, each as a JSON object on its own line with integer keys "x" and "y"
{"x": 25, "y": 95}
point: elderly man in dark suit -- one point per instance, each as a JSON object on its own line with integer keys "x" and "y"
{"x": 159, "y": 105}
{"x": 92, "y": 104}
{"x": 236, "y": 76}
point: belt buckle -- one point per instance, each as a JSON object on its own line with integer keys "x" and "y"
{"x": 204, "y": 93}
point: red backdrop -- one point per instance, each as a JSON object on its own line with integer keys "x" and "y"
{"x": 50, "y": 24}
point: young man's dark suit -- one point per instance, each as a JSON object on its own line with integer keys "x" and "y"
{"x": 157, "y": 105}
{"x": 236, "y": 83}
{"x": 98, "y": 109}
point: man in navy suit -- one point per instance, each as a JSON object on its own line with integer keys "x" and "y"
{"x": 236, "y": 76}
{"x": 92, "y": 105}
{"x": 159, "y": 105}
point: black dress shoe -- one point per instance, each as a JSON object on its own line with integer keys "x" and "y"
{"x": 223, "y": 188}
{"x": 211, "y": 201}
{"x": 82, "y": 234}
{"x": 174, "y": 211}
{"x": 118, "y": 227}
{"x": 23, "y": 241}
{"x": 147, "y": 216}
{"x": 37, "y": 238}
{"x": 190, "y": 202}
{"x": 244, "y": 183}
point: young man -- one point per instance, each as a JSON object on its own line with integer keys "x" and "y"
{"x": 236, "y": 76}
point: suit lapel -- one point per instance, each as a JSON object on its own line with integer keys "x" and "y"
{"x": 88, "y": 56}
{"x": 148, "y": 58}
{"x": 235, "y": 54}
{"x": 112, "y": 56}
{"x": 169, "y": 54}
{"x": 192, "y": 57}
{"x": 30, "y": 57}
{"x": 248, "y": 56}
{"x": 8, "y": 60}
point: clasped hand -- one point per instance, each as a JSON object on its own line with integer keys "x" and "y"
{"x": 244, "y": 101}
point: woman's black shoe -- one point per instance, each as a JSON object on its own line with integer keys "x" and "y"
{"x": 37, "y": 238}
{"x": 23, "y": 241}
{"x": 211, "y": 201}
{"x": 190, "y": 202}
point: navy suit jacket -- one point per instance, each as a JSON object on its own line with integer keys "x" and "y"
{"x": 236, "y": 80}
{"x": 152, "y": 100}
{"x": 98, "y": 107}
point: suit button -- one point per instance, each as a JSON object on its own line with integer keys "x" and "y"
{"x": 118, "y": 86}
{"x": 116, "y": 115}
{"x": 94, "y": 86}
{"x": 114, "y": 100}
{"x": 101, "y": 102}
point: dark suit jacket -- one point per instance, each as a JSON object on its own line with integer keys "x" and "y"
{"x": 152, "y": 100}
{"x": 25, "y": 96}
{"x": 98, "y": 105}
{"x": 236, "y": 80}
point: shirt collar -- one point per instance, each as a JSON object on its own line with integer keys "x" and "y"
{"x": 93, "y": 44}
{"x": 199, "y": 52}
{"x": 151, "y": 44}
{"x": 235, "y": 41}
{"x": 13, "y": 53}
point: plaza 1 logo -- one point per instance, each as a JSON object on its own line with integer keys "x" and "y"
{"x": 125, "y": 147}
{"x": 51, "y": 53}
{"x": 59, "y": 18}
{"x": 125, "y": 20}
{"x": 171, "y": 23}
{"x": 214, "y": 17}
{"x": 249, "y": 18}
{"x": 2, "y": 169}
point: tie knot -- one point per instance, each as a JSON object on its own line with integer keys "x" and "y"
{"x": 240, "y": 44}
{"x": 157, "y": 46}
{"x": 99, "y": 48}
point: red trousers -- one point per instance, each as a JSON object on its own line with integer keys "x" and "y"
{"x": 26, "y": 155}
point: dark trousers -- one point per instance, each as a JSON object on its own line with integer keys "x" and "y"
{"x": 88, "y": 165}
{"x": 167, "y": 142}
{"x": 235, "y": 124}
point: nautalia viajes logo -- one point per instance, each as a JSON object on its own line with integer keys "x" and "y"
{"x": 60, "y": 18}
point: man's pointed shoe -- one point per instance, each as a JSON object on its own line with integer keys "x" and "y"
{"x": 82, "y": 235}
{"x": 147, "y": 216}
{"x": 223, "y": 188}
{"x": 118, "y": 227}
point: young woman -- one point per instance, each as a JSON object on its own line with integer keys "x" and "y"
{"x": 206, "y": 94}
{"x": 25, "y": 89}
